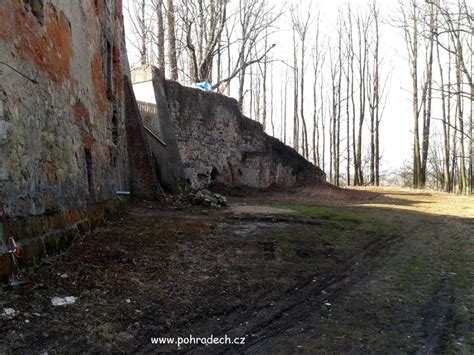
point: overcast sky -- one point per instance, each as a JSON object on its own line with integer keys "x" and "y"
{"x": 396, "y": 135}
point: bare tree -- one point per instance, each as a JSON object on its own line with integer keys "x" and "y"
{"x": 160, "y": 35}
{"x": 253, "y": 19}
{"x": 317, "y": 62}
{"x": 203, "y": 23}
{"x": 427, "y": 95}
{"x": 295, "y": 93}
{"x": 301, "y": 24}
{"x": 363, "y": 26}
{"x": 172, "y": 57}
{"x": 141, "y": 24}
{"x": 374, "y": 100}
{"x": 264, "y": 84}
{"x": 410, "y": 25}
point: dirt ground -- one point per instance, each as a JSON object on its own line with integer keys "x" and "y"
{"x": 312, "y": 270}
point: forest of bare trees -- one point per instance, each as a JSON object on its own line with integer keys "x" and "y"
{"x": 324, "y": 90}
{"x": 439, "y": 46}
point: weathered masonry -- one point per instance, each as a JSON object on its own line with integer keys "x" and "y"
{"x": 63, "y": 138}
{"x": 73, "y": 135}
{"x": 217, "y": 144}
{"x": 158, "y": 127}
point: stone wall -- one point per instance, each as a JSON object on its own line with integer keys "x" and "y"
{"x": 218, "y": 144}
{"x": 63, "y": 148}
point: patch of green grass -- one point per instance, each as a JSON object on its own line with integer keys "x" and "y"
{"x": 310, "y": 246}
{"x": 344, "y": 219}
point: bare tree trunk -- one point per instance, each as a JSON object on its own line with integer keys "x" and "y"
{"x": 143, "y": 34}
{"x": 448, "y": 121}
{"x": 272, "y": 122}
{"x": 377, "y": 98}
{"x": 317, "y": 64}
{"x": 354, "y": 137}
{"x": 471, "y": 150}
{"x": 323, "y": 126}
{"x": 252, "y": 111}
{"x": 428, "y": 103}
{"x": 241, "y": 79}
{"x": 363, "y": 27}
{"x": 295, "y": 95}
{"x": 411, "y": 38}
{"x": 301, "y": 27}
{"x": 229, "y": 57}
{"x": 471, "y": 153}
{"x": 315, "y": 121}
{"x": 416, "y": 143}
{"x": 446, "y": 128}
{"x": 303, "y": 119}
{"x": 348, "y": 120}
{"x": 374, "y": 103}
{"x": 264, "y": 89}
{"x": 454, "y": 155}
{"x": 160, "y": 36}
{"x": 331, "y": 139}
{"x": 338, "y": 118}
{"x": 219, "y": 60}
{"x": 285, "y": 106}
{"x": 172, "y": 59}
{"x": 459, "y": 114}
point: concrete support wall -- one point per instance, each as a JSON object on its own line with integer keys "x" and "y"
{"x": 161, "y": 138}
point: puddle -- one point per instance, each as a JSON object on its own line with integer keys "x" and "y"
{"x": 243, "y": 229}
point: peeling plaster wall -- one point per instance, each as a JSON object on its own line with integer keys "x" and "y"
{"x": 46, "y": 127}
{"x": 218, "y": 144}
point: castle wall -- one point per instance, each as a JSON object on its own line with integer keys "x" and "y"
{"x": 220, "y": 145}
{"x": 63, "y": 147}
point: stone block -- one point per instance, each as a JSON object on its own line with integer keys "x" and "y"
{"x": 5, "y": 129}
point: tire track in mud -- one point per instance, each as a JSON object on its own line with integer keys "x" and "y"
{"x": 439, "y": 325}
{"x": 438, "y": 319}
{"x": 259, "y": 324}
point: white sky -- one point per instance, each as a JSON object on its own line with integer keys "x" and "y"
{"x": 395, "y": 135}
{"x": 396, "y": 125}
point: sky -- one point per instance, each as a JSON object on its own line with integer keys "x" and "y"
{"x": 396, "y": 125}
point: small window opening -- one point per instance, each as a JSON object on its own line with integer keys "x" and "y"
{"x": 214, "y": 174}
{"x": 108, "y": 67}
{"x": 115, "y": 132}
{"x": 90, "y": 174}
{"x": 36, "y": 7}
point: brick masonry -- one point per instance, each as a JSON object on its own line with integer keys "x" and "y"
{"x": 144, "y": 181}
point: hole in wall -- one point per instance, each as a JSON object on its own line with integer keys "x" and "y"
{"x": 115, "y": 133}
{"x": 214, "y": 174}
{"x": 36, "y": 7}
{"x": 90, "y": 174}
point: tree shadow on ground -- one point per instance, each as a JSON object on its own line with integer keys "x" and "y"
{"x": 336, "y": 282}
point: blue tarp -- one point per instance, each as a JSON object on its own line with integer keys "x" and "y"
{"x": 204, "y": 86}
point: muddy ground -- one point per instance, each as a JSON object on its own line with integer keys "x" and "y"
{"x": 312, "y": 270}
